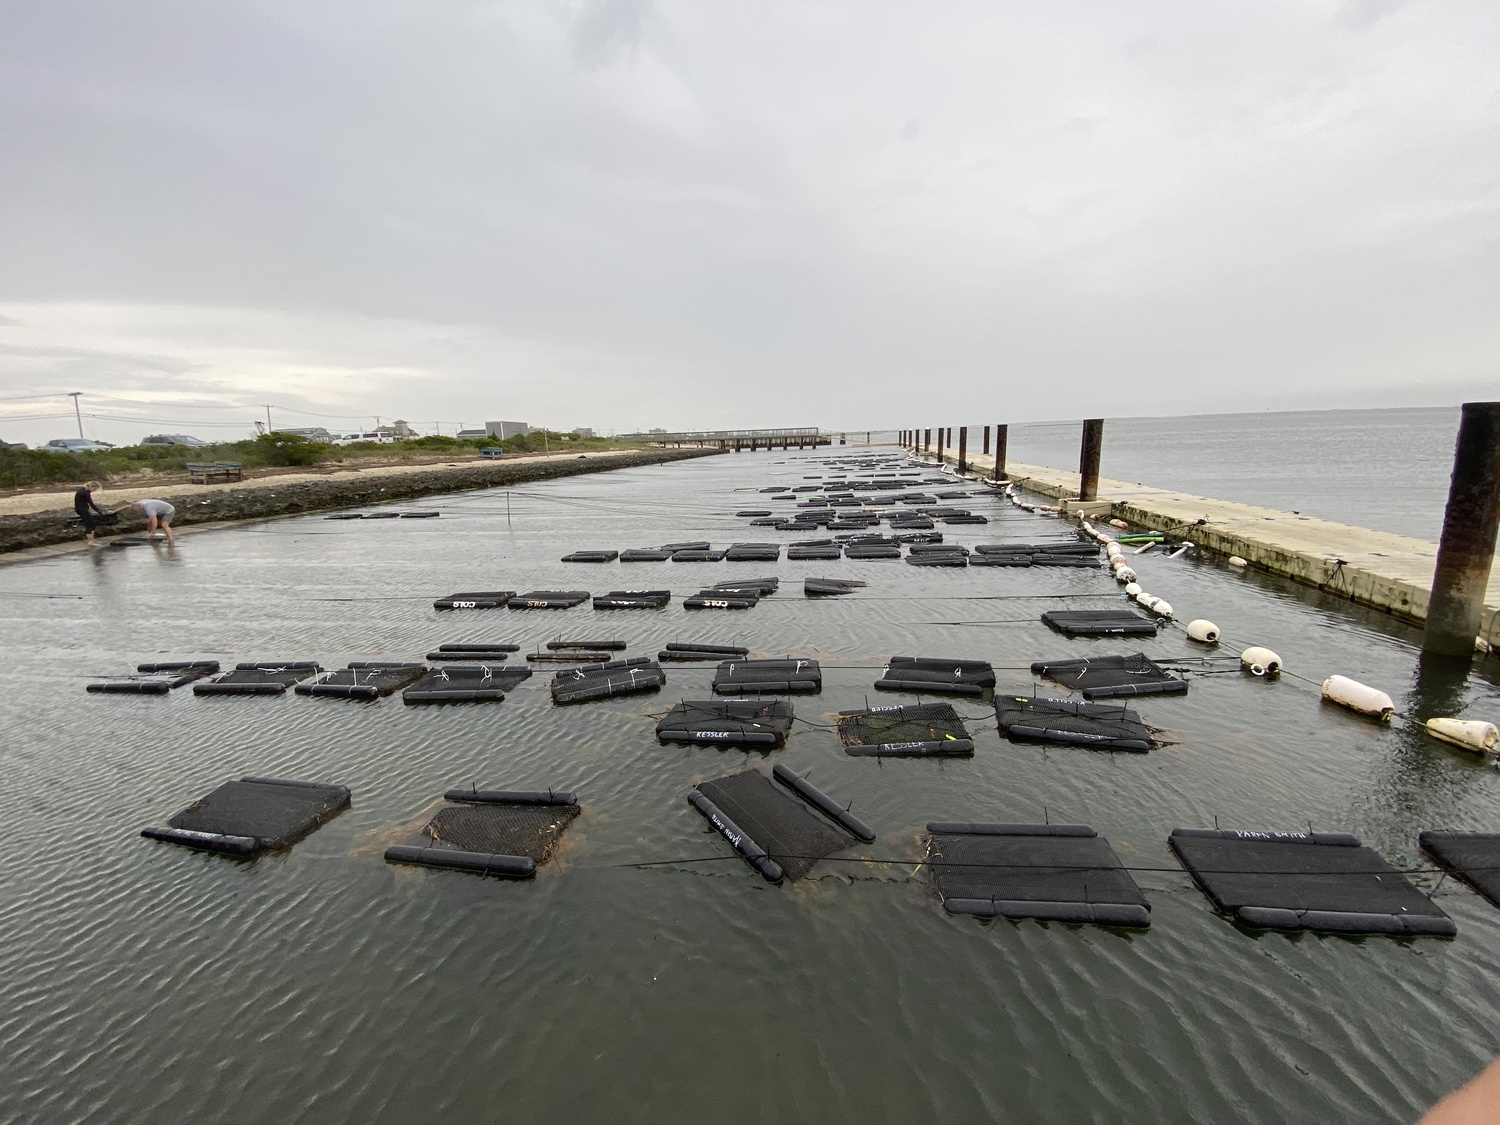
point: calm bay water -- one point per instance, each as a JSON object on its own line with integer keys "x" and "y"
{"x": 145, "y": 983}
{"x": 1382, "y": 469}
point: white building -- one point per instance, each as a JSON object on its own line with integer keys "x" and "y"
{"x": 503, "y": 430}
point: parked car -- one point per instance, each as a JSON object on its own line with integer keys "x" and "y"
{"x": 12, "y": 445}
{"x": 349, "y": 439}
{"x": 75, "y": 445}
{"x": 172, "y": 439}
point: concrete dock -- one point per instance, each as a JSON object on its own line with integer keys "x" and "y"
{"x": 1374, "y": 568}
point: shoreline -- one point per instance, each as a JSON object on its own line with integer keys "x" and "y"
{"x": 38, "y": 520}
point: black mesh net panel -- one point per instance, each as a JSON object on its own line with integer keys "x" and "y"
{"x": 1102, "y": 677}
{"x": 1099, "y": 622}
{"x": 1315, "y": 881}
{"x": 923, "y": 722}
{"x": 783, "y": 826}
{"x": 461, "y": 681}
{"x": 1071, "y": 723}
{"x": 729, "y": 722}
{"x": 258, "y": 679}
{"x": 1027, "y": 868}
{"x": 502, "y": 829}
{"x": 276, "y": 815}
{"x": 1473, "y": 856}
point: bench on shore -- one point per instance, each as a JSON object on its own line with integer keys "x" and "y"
{"x": 219, "y": 471}
{"x": 489, "y": 453}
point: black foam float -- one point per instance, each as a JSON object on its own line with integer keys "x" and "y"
{"x": 761, "y": 724}
{"x": 364, "y": 679}
{"x": 492, "y": 832}
{"x": 253, "y": 814}
{"x": 632, "y": 599}
{"x": 923, "y": 730}
{"x": 787, "y": 837}
{"x": 1106, "y": 677}
{"x": 1047, "y": 872}
{"x": 264, "y": 677}
{"x": 464, "y": 683}
{"x": 644, "y": 554}
{"x": 1323, "y": 881}
{"x": 549, "y": 599}
{"x": 753, "y": 677}
{"x": 937, "y": 674}
{"x": 1068, "y": 722}
{"x": 604, "y": 680}
{"x": 157, "y": 678}
{"x": 482, "y": 599}
{"x": 1473, "y": 856}
{"x": 829, "y": 587}
{"x": 1099, "y": 622}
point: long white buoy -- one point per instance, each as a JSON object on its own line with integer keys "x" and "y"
{"x": 1474, "y": 735}
{"x": 1358, "y": 697}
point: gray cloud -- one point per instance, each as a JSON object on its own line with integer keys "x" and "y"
{"x": 621, "y": 215}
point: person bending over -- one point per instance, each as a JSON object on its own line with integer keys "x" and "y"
{"x": 158, "y": 514}
{"x": 87, "y": 509}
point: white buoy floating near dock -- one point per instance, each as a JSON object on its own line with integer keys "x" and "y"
{"x": 1358, "y": 697}
{"x": 1260, "y": 661}
{"x": 1481, "y": 737}
{"x": 1204, "y": 632}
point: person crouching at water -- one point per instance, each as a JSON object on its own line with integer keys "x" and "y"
{"x": 87, "y": 509}
{"x": 158, "y": 514}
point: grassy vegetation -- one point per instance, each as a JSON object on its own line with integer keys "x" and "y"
{"x": 20, "y": 468}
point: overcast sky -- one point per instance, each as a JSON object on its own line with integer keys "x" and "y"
{"x": 622, "y": 213}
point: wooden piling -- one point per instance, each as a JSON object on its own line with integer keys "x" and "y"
{"x": 963, "y": 449}
{"x": 1088, "y": 458}
{"x": 986, "y": 441}
{"x": 1466, "y": 550}
{"x": 1002, "y": 433}
{"x": 940, "y": 445}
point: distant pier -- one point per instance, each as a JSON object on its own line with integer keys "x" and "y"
{"x": 797, "y": 437}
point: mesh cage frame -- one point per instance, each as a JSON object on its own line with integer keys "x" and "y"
{"x": 917, "y": 722}
{"x": 790, "y": 834}
{"x": 534, "y": 831}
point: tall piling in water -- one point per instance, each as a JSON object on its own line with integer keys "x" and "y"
{"x": 1002, "y": 434}
{"x": 986, "y": 441}
{"x": 940, "y": 445}
{"x": 1467, "y": 548}
{"x": 963, "y": 449}
{"x": 1088, "y": 458}
{"x": 927, "y": 441}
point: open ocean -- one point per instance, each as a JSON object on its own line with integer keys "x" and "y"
{"x": 1382, "y": 469}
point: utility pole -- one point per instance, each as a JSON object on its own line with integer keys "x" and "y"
{"x": 268, "y": 417}
{"x": 77, "y": 413}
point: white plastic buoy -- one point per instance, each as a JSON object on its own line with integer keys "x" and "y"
{"x": 1469, "y": 734}
{"x": 1260, "y": 661}
{"x": 1162, "y": 608}
{"x": 1204, "y": 632}
{"x": 1148, "y": 600}
{"x": 1358, "y": 697}
{"x": 1118, "y": 523}
{"x": 1235, "y": 560}
{"x": 1132, "y": 589}
{"x": 1125, "y": 574}
{"x": 1114, "y": 550}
